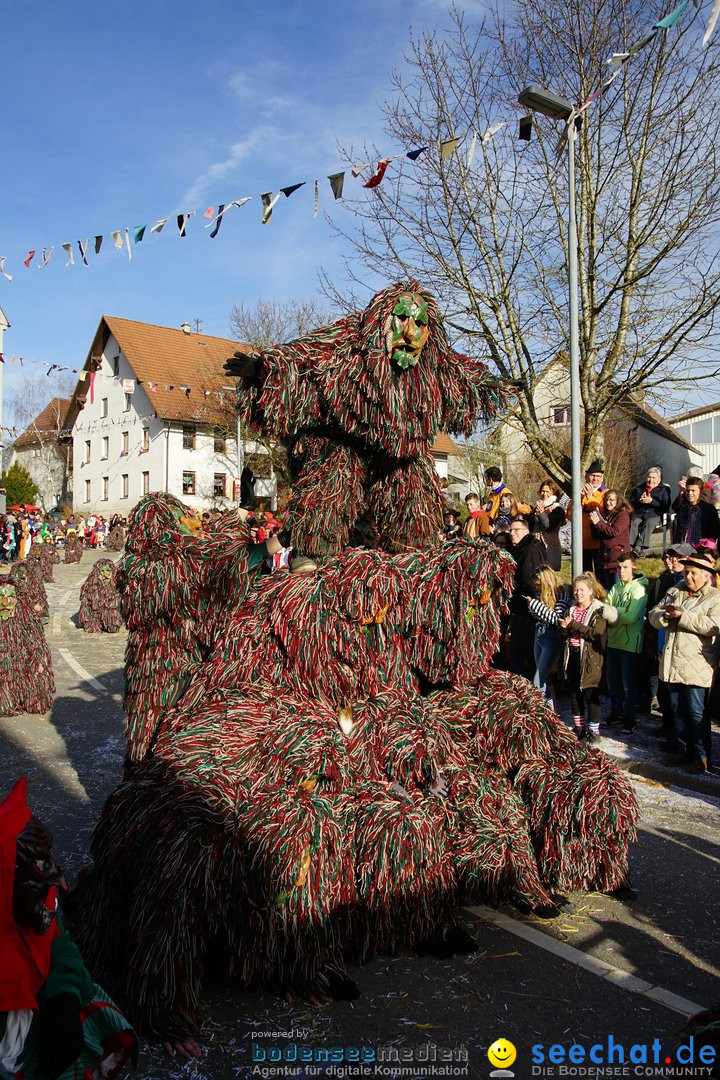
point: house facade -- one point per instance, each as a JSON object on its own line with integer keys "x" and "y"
{"x": 636, "y": 436}
{"x": 701, "y": 427}
{"x": 46, "y": 453}
{"x": 152, "y": 411}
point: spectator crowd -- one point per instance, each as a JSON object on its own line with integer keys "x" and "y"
{"x": 613, "y": 633}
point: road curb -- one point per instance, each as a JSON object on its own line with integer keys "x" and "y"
{"x": 704, "y": 784}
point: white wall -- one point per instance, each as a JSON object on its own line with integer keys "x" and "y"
{"x": 47, "y": 469}
{"x": 708, "y": 450}
{"x": 165, "y": 460}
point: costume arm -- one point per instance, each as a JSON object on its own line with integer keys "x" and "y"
{"x": 281, "y": 397}
{"x": 469, "y": 393}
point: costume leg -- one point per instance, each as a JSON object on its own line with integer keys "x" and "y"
{"x": 328, "y": 497}
{"x": 407, "y": 505}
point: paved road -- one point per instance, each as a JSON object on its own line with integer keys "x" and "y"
{"x": 608, "y": 969}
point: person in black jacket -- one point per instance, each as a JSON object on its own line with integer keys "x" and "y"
{"x": 695, "y": 520}
{"x": 650, "y": 502}
{"x": 529, "y": 555}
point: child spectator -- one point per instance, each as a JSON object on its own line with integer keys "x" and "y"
{"x": 584, "y": 629}
{"x": 548, "y": 607}
{"x": 451, "y": 530}
{"x": 508, "y": 509}
{"x": 625, "y": 640}
{"x": 611, "y": 528}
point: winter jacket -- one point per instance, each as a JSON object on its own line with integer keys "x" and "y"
{"x": 629, "y": 600}
{"x": 548, "y": 524}
{"x": 529, "y": 556}
{"x": 693, "y": 523}
{"x": 592, "y": 634}
{"x": 690, "y": 653}
{"x": 589, "y": 503}
{"x": 613, "y": 537}
{"x": 660, "y": 504}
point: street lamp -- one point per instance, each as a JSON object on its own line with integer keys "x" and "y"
{"x": 559, "y": 108}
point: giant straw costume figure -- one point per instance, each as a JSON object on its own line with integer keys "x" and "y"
{"x": 100, "y": 600}
{"x": 357, "y": 405}
{"x": 329, "y": 765}
{"x": 27, "y": 684}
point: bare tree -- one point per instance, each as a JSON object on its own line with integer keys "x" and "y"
{"x": 28, "y": 397}
{"x": 491, "y": 239}
{"x": 273, "y": 322}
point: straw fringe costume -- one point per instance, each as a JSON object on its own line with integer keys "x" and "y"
{"x": 100, "y": 600}
{"x": 324, "y": 766}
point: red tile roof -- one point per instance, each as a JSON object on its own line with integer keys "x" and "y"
{"x": 444, "y": 445}
{"x": 169, "y": 357}
{"x": 46, "y": 424}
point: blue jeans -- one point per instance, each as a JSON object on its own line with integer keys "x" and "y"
{"x": 546, "y": 649}
{"x": 621, "y": 674}
{"x": 691, "y": 706}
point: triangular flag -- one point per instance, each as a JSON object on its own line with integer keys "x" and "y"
{"x": 377, "y": 178}
{"x": 268, "y": 204}
{"x": 138, "y": 233}
{"x": 471, "y": 151}
{"x": 317, "y": 197}
{"x": 415, "y": 154}
{"x": 82, "y": 248}
{"x": 98, "y": 244}
{"x": 46, "y": 256}
{"x": 182, "y": 220}
{"x": 447, "y": 148}
{"x": 357, "y": 169}
{"x": 218, "y": 221}
{"x": 714, "y": 14}
{"x": 8, "y": 277}
{"x": 492, "y": 131}
{"x": 287, "y": 191}
{"x": 159, "y": 225}
{"x": 117, "y": 237}
{"x": 210, "y": 212}
{"x": 337, "y": 181}
{"x": 672, "y": 18}
{"x": 30, "y": 257}
{"x": 67, "y": 248}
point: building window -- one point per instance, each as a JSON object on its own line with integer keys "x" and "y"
{"x": 219, "y": 442}
{"x": 146, "y": 483}
{"x": 86, "y": 457}
{"x": 702, "y": 431}
{"x": 189, "y": 434}
{"x": 685, "y": 432}
{"x": 105, "y": 489}
{"x": 219, "y": 485}
{"x": 146, "y": 439}
{"x": 105, "y": 448}
{"x": 87, "y": 491}
{"x": 127, "y": 402}
{"x": 125, "y": 443}
{"x": 104, "y": 407}
{"x": 125, "y": 485}
{"x": 116, "y": 366}
{"x": 188, "y": 483}
{"x": 560, "y": 415}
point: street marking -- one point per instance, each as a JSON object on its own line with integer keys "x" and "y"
{"x": 80, "y": 670}
{"x": 598, "y": 967}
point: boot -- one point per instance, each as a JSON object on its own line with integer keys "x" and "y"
{"x": 697, "y": 766}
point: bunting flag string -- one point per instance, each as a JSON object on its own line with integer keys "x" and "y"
{"x": 447, "y": 148}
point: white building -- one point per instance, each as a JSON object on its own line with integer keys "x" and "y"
{"x": 701, "y": 427}
{"x": 42, "y": 450}
{"x": 153, "y": 411}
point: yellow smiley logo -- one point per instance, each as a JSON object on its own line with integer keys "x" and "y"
{"x": 502, "y": 1054}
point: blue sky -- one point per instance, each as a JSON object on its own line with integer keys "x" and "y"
{"x": 117, "y": 115}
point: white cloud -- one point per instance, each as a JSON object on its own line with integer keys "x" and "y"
{"x": 219, "y": 170}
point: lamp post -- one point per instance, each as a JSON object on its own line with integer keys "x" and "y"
{"x": 559, "y": 108}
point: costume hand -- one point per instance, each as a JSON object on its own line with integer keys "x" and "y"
{"x": 185, "y": 1048}
{"x": 439, "y": 788}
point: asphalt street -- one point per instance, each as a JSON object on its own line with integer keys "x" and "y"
{"x": 609, "y": 969}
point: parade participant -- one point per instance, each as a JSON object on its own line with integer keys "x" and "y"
{"x": 100, "y": 600}
{"x": 54, "y": 1021}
